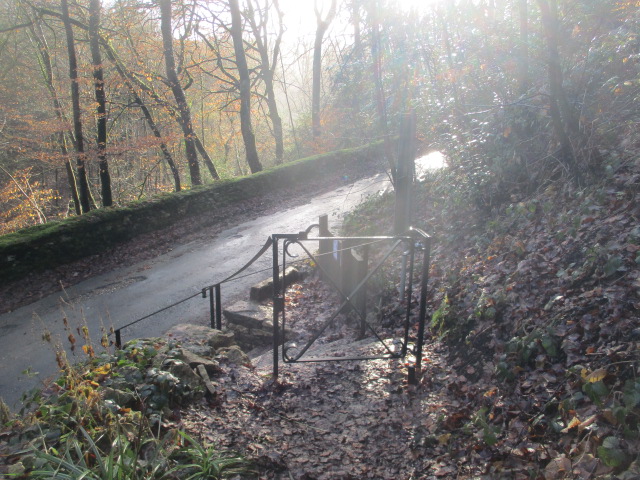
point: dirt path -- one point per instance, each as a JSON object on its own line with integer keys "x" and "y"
{"x": 346, "y": 420}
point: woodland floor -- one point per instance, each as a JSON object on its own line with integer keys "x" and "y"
{"x": 530, "y": 368}
{"x": 339, "y": 420}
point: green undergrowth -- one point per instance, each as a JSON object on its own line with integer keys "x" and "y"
{"x": 111, "y": 417}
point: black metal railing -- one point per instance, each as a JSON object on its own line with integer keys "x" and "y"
{"x": 415, "y": 240}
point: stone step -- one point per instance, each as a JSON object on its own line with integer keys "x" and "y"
{"x": 252, "y": 324}
{"x": 264, "y": 290}
{"x": 250, "y": 315}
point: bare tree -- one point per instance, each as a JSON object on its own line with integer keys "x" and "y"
{"x": 132, "y": 81}
{"x": 37, "y": 35}
{"x": 83, "y": 184}
{"x": 322, "y": 24}
{"x": 101, "y": 101}
{"x": 245, "y": 88}
{"x": 178, "y": 93}
{"x": 268, "y": 64}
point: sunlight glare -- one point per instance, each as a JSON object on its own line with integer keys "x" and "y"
{"x": 301, "y": 20}
{"x": 429, "y": 162}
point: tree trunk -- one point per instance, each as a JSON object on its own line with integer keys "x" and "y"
{"x": 286, "y": 96}
{"x": 83, "y": 184}
{"x": 163, "y": 146}
{"x": 206, "y": 158}
{"x": 267, "y": 68}
{"x": 321, "y": 29}
{"x": 564, "y": 120}
{"x": 47, "y": 72}
{"x": 178, "y": 93}
{"x": 523, "y": 60}
{"x": 101, "y": 101}
{"x": 245, "y": 89}
{"x": 380, "y": 100}
{"x": 276, "y": 121}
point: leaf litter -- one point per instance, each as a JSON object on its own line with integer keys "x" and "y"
{"x": 530, "y": 366}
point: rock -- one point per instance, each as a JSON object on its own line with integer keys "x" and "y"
{"x": 233, "y": 354}
{"x": 248, "y": 338}
{"x": 250, "y": 315}
{"x": 181, "y": 370}
{"x": 221, "y": 339}
{"x": 199, "y": 338}
{"x": 194, "y": 360}
{"x": 264, "y": 289}
{"x": 200, "y": 350}
{"x": 211, "y": 388}
{"x": 120, "y": 397}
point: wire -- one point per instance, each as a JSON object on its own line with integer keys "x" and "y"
{"x": 233, "y": 277}
{"x": 159, "y": 311}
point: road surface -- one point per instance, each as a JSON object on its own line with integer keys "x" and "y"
{"x": 121, "y": 296}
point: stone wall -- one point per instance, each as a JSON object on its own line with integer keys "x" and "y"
{"x": 55, "y": 243}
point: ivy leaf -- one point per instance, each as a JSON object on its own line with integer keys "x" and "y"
{"x": 612, "y": 265}
{"x": 611, "y": 453}
{"x": 597, "y": 392}
{"x": 631, "y": 393}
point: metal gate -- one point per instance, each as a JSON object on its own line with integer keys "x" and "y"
{"x": 331, "y": 250}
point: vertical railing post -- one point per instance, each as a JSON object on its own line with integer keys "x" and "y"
{"x": 276, "y": 304}
{"x": 324, "y": 246}
{"x": 218, "y": 308}
{"x": 364, "y": 265}
{"x": 212, "y": 317}
{"x": 409, "y": 293}
{"x": 118, "y": 339}
{"x": 426, "y": 260}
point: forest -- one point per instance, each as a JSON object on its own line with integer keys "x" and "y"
{"x": 104, "y": 103}
{"x": 530, "y": 366}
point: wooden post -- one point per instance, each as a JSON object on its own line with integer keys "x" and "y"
{"x": 405, "y": 173}
{"x": 328, "y": 259}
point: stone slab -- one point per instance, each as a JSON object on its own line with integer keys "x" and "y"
{"x": 264, "y": 290}
{"x": 194, "y": 360}
{"x": 250, "y": 315}
{"x": 200, "y": 339}
{"x": 211, "y": 389}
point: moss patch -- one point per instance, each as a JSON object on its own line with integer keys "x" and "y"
{"x": 55, "y": 243}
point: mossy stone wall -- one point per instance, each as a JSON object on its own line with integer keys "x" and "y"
{"x": 55, "y": 243}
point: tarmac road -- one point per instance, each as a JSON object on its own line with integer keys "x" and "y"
{"x": 121, "y": 296}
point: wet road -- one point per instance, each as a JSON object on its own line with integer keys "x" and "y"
{"x": 121, "y": 296}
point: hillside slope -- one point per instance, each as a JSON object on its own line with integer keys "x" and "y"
{"x": 538, "y": 306}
